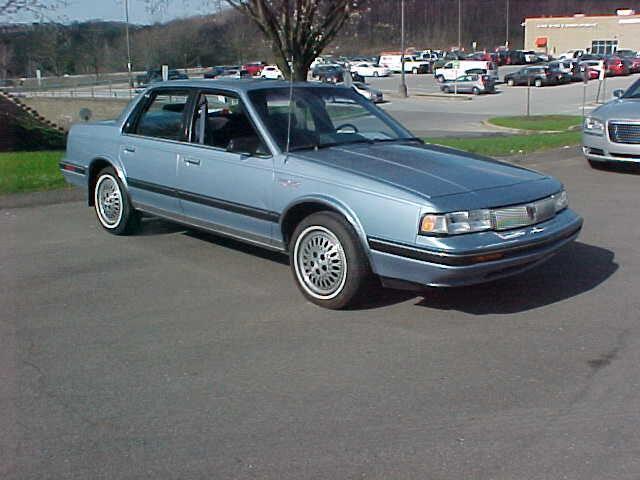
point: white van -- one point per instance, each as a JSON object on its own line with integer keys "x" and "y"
{"x": 456, "y": 68}
{"x": 411, "y": 65}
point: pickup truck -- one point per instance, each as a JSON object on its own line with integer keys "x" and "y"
{"x": 155, "y": 75}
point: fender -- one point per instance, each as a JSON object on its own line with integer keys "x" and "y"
{"x": 341, "y": 208}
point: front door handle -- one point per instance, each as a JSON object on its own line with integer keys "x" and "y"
{"x": 130, "y": 149}
{"x": 191, "y": 161}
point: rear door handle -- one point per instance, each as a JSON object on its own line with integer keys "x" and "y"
{"x": 191, "y": 161}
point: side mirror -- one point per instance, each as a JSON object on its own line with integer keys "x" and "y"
{"x": 618, "y": 93}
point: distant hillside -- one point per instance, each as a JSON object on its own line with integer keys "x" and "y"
{"x": 99, "y": 47}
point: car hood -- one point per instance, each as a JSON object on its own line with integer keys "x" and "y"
{"x": 430, "y": 171}
{"x": 619, "y": 109}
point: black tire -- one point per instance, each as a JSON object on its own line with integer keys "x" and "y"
{"x": 127, "y": 220}
{"x": 440, "y": 78}
{"x": 538, "y": 82}
{"x": 415, "y": 71}
{"x": 476, "y": 91}
{"x": 346, "y": 266}
{"x": 446, "y": 90}
{"x": 375, "y": 74}
{"x": 511, "y": 82}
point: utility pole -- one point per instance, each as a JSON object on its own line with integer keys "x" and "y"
{"x": 506, "y": 43}
{"x": 459, "y": 24}
{"x": 126, "y": 27}
{"x": 402, "y": 90}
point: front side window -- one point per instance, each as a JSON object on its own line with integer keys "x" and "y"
{"x": 163, "y": 116}
{"x": 319, "y": 117}
{"x": 220, "y": 121}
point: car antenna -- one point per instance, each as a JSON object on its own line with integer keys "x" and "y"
{"x": 289, "y": 112}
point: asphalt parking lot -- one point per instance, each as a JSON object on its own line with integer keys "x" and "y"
{"x": 176, "y": 354}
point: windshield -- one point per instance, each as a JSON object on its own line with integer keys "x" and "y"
{"x": 323, "y": 117}
{"x": 633, "y": 91}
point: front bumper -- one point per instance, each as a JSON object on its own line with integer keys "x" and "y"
{"x": 598, "y": 148}
{"x": 417, "y": 265}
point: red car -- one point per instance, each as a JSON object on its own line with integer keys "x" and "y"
{"x": 616, "y": 67}
{"x": 635, "y": 64}
{"x": 254, "y": 69}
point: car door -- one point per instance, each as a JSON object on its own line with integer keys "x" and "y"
{"x": 225, "y": 173}
{"x": 151, "y": 142}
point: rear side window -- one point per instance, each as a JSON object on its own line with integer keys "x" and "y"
{"x": 163, "y": 116}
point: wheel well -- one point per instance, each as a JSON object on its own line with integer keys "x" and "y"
{"x": 298, "y": 213}
{"x": 96, "y": 166}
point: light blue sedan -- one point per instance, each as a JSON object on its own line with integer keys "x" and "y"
{"x": 320, "y": 173}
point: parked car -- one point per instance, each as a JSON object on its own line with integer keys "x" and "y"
{"x": 271, "y": 72}
{"x": 537, "y": 76}
{"x": 368, "y": 92}
{"x": 470, "y": 83}
{"x": 215, "y": 72}
{"x": 572, "y": 54}
{"x": 342, "y": 188}
{"x": 635, "y": 64}
{"x": 365, "y": 69}
{"x": 254, "y": 68}
{"x": 616, "y": 67}
{"x": 611, "y": 133}
{"x": 626, "y": 53}
{"x": 331, "y": 73}
{"x": 235, "y": 73}
{"x": 593, "y": 66}
{"x": 393, "y": 61}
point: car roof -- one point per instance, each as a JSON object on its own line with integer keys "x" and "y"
{"x": 239, "y": 85}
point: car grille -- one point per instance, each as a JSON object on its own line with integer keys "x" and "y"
{"x": 523, "y": 215}
{"x": 621, "y": 132}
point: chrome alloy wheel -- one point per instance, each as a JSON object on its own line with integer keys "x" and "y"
{"x": 320, "y": 262}
{"x": 108, "y": 200}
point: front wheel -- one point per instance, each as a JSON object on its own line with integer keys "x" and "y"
{"x": 112, "y": 205}
{"x": 439, "y": 78}
{"x": 375, "y": 74}
{"x": 328, "y": 261}
{"x": 415, "y": 71}
{"x": 476, "y": 91}
{"x": 538, "y": 82}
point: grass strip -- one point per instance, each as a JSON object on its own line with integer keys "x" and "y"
{"x": 538, "y": 122}
{"x": 30, "y": 171}
{"x": 504, "y": 145}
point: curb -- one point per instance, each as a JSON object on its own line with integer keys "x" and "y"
{"x": 522, "y": 131}
{"x": 47, "y": 197}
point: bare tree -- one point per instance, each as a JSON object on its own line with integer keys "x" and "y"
{"x": 39, "y": 8}
{"x": 299, "y": 30}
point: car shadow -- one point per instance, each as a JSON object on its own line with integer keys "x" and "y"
{"x": 630, "y": 168}
{"x": 575, "y": 270}
{"x": 232, "y": 244}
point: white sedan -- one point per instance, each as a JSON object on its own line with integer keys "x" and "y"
{"x": 271, "y": 72}
{"x": 370, "y": 70}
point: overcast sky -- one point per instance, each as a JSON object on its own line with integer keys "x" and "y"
{"x": 82, "y": 10}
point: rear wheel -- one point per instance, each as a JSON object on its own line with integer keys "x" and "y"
{"x": 511, "y": 82}
{"x": 328, "y": 261}
{"x": 538, "y": 82}
{"x": 415, "y": 71}
{"x": 375, "y": 74}
{"x": 112, "y": 205}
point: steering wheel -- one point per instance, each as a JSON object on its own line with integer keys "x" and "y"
{"x": 347, "y": 125}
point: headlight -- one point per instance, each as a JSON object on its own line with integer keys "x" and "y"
{"x": 593, "y": 126}
{"x": 456, "y": 223}
{"x": 562, "y": 200}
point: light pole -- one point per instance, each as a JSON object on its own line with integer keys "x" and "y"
{"x": 402, "y": 89}
{"x": 126, "y": 28}
{"x": 506, "y": 43}
{"x": 459, "y": 24}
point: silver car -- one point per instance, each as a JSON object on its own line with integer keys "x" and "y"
{"x": 475, "y": 83}
{"x": 611, "y": 133}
